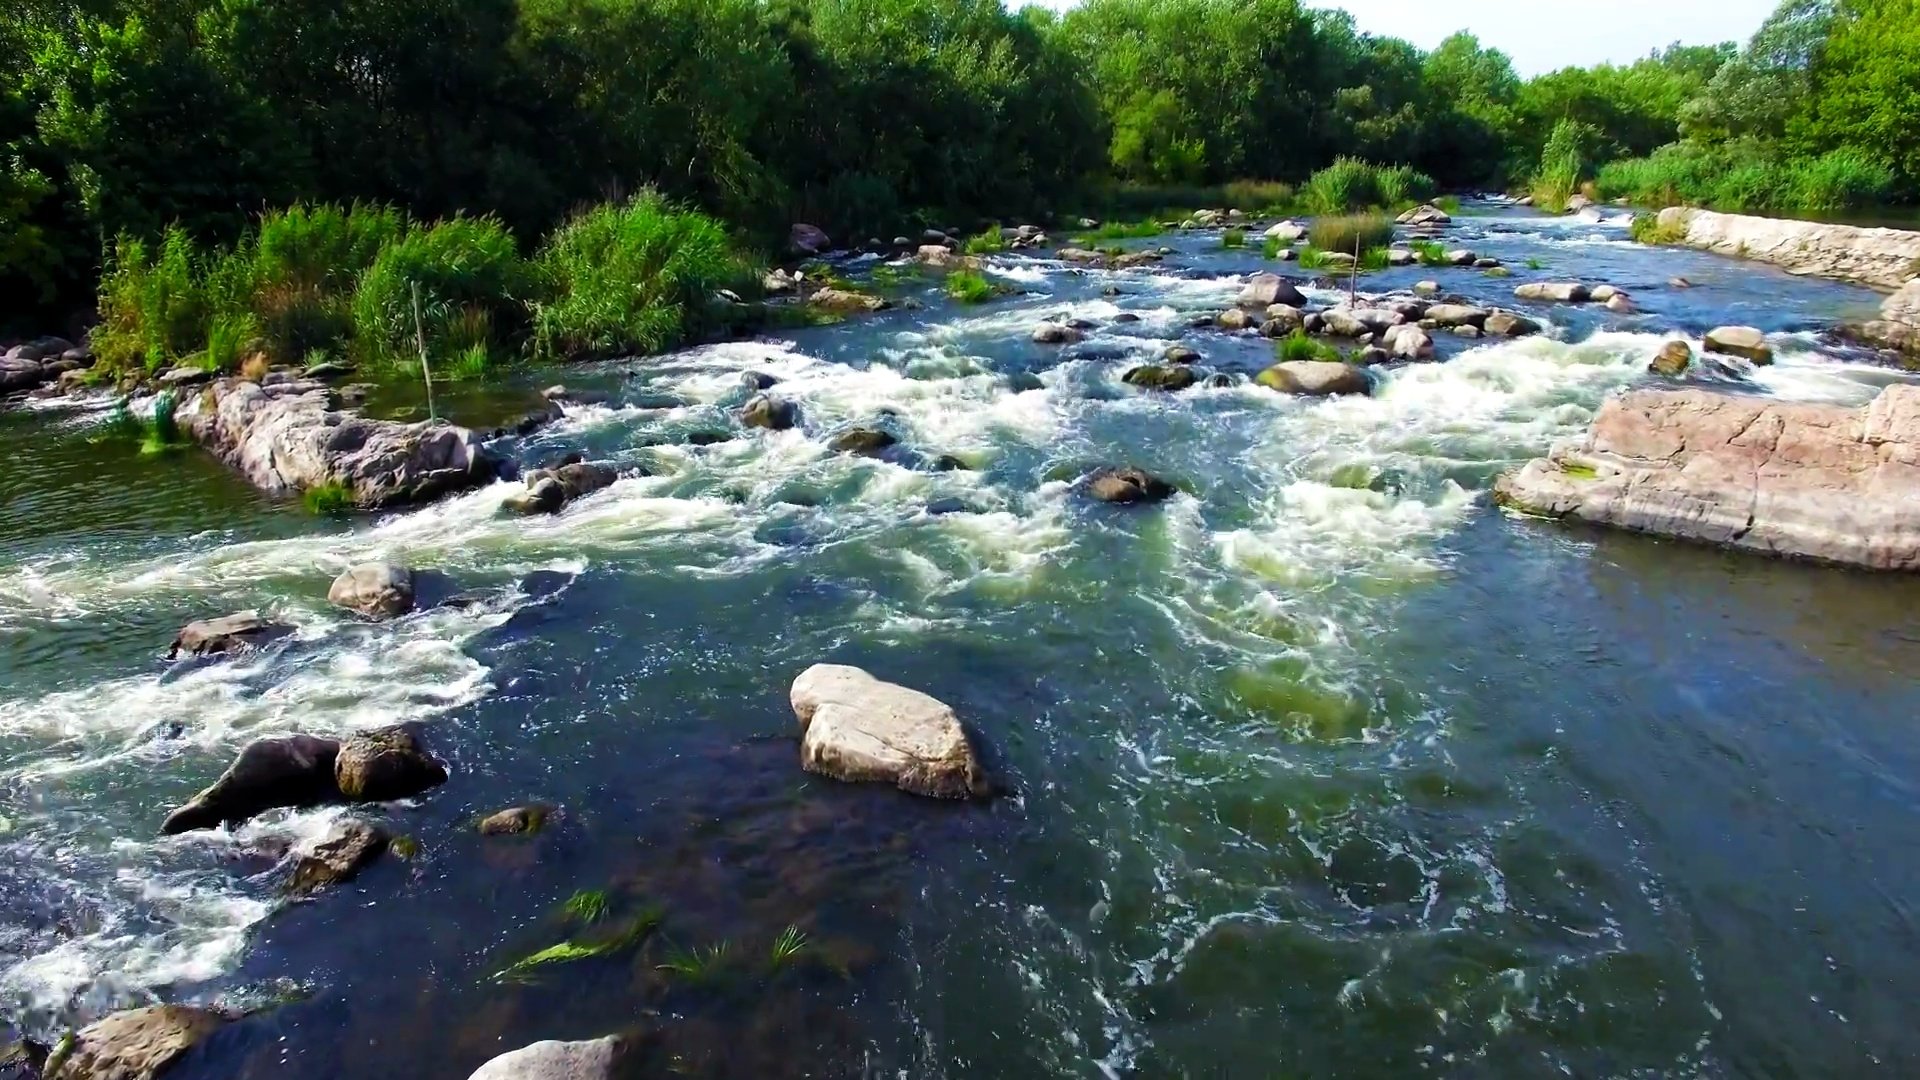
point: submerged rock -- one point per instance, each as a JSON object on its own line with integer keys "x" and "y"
{"x": 767, "y": 411}
{"x": 514, "y": 821}
{"x": 138, "y": 1044}
{"x": 1161, "y": 377}
{"x": 348, "y": 848}
{"x": 1180, "y": 354}
{"x": 863, "y": 441}
{"x": 1127, "y": 485}
{"x": 377, "y": 590}
{"x": 1812, "y": 481}
{"x": 857, "y": 728}
{"x": 847, "y": 302}
{"x": 288, "y": 439}
{"x": 226, "y": 634}
{"x": 282, "y": 771}
{"x": 1316, "y": 378}
{"x": 597, "y": 1059}
{"x": 1056, "y": 334}
{"x": 1742, "y": 341}
{"x": 384, "y": 765}
{"x": 1673, "y": 359}
{"x": 550, "y": 489}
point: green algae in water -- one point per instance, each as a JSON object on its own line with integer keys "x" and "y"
{"x": 404, "y": 848}
{"x": 1577, "y": 471}
{"x": 787, "y": 947}
{"x": 1281, "y": 695}
{"x": 698, "y": 965}
{"x": 588, "y": 906}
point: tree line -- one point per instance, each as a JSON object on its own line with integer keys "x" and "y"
{"x": 122, "y": 118}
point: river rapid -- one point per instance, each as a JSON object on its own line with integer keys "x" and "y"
{"x": 1324, "y": 767}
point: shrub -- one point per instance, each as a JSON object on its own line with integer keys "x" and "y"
{"x": 1350, "y": 232}
{"x": 457, "y": 265}
{"x": 1261, "y": 198}
{"x": 230, "y": 340}
{"x": 969, "y": 287}
{"x": 1272, "y": 247}
{"x": 1561, "y": 164}
{"x": 152, "y": 307}
{"x": 987, "y": 242}
{"x": 1119, "y": 230}
{"x": 1840, "y": 180}
{"x": 303, "y": 267}
{"x": 1403, "y": 185}
{"x": 1233, "y": 238}
{"x": 638, "y": 277}
{"x": 1297, "y": 346}
{"x": 1647, "y": 230}
{"x": 1347, "y": 184}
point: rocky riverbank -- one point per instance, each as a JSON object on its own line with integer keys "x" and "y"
{"x": 1884, "y": 258}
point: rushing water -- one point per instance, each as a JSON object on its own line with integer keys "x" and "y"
{"x": 1324, "y": 767}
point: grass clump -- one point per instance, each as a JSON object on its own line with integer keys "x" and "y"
{"x": 1233, "y": 238}
{"x": 587, "y": 907}
{"x": 986, "y": 242}
{"x": 1297, "y": 346}
{"x": 1647, "y": 229}
{"x": 1561, "y": 165}
{"x": 160, "y": 433}
{"x": 1119, "y": 230}
{"x": 1428, "y": 252}
{"x": 629, "y": 934}
{"x": 1534, "y": 263}
{"x": 1744, "y": 177}
{"x": 970, "y": 287}
{"x": 152, "y": 303}
{"x": 1350, "y": 184}
{"x": 787, "y": 947}
{"x": 331, "y": 499}
{"x": 1350, "y": 232}
{"x": 698, "y": 965}
{"x": 1271, "y": 247}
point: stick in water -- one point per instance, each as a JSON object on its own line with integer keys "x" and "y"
{"x": 420, "y": 339}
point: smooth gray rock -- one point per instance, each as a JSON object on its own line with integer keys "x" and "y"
{"x": 597, "y": 1059}
{"x": 857, "y": 728}
{"x": 377, "y": 590}
{"x": 226, "y": 634}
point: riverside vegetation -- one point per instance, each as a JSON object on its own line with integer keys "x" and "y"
{"x": 253, "y": 179}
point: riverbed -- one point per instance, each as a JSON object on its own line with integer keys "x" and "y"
{"x": 1323, "y": 767}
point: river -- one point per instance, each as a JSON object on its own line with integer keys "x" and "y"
{"x": 1325, "y": 767}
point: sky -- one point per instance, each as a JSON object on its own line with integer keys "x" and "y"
{"x": 1544, "y": 35}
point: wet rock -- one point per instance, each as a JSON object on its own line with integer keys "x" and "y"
{"x": 1133, "y": 259}
{"x": 862, "y": 441}
{"x": 1425, "y": 214}
{"x": 550, "y": 489}
{"x": 1359, "y": 322}
{"x": 1559, "y": 292}
{"x": 543, "y": 495}
{"x": 808, "y": 240}
{"x": 758, "y": 380}
{"x": 290, "y": 439}
{"x": 1407, "y": 342}
{"x": 1180, "y": 354}
{"x": 1466, "y": 331}
{"x": 1168, "y": 377}
{"x": 1812, "y": 481}
{"x": 177, "y": 378}
{"x": 384, "y": 765}
{"x": 1673, "y": 359}
{"x": 767, "y": 411}
{"x": 951, "y": 463}
{"x": 349, "y": 847}
{"x": 22, "y": 1061}
{"x": 1620, "y": 304}
{"x": 226, "y": 634}
{"x": 1237, "y": 319}
{"x": 1282, "y": 320}
{"x": 1371, "y": 355}
{"x": 1679, "y": 283}
{"x": 1287, "y": 232}
{"x": 1316, "y": 378}
{"x": 1743, "y": 341}
{"x": 1126, "y": 317}
{"x": 847, "y": 302}
{"x": 598, "y": 1059}
{"x": 1056, "y": 334}
{"x": 1449, "y": 315}
{"x": 1883, "y": 257}
{"x": 1127, "y": 485}
{"x": 1264, "y": 290}
{"x": 1600, "y": 294}
{"x": 287, "y": 770}
{"x": 514, "y": 821}
{"x": 138, "y": 1044}
{"x": 1427, "y": 288}
{"x": 1399, "y": 257}
{"x": 857, "y": 728}
{"x": 377, "y": 590}
{"x": 1461, "y": 257}
{"x": 1509, "y": 324}
{"x": 1485, "y": 263}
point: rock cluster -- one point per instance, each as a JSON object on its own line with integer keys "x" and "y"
{"x": 308, "y": 770}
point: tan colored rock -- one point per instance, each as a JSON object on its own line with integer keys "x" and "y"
{"x": 1265, "y": 290}
{"x": 1457, "y": 315}
{"x": 514, "y": 821}
{"x": 1316, "y": 378}
{"x": 349, "y": 847}
{"x": 1811, "y": 481}
{"x": 596, "y": 1059}
{"x": 1904, "y": 305}
{"x": 1407, "y": 342}
{"x": 376, "y": 590}
{"x": 226, "y": 634}
{"x": 857, "y": 728}
{"x": 1742, "y": 341}
{"x": 1057, "y": 334}
{"x": 138, "y": 1044}
{"x": 1509, "y": 324}
{"x": 1556, "y": 292}
{"x": 1127, "y": 485}
{"x": 1883, "y": 257}
{"x": 1673, "y": 359}
{"x": 847, "y": 302}
{"x": 1237, "y": 319}
{"x": 384, "y": 765}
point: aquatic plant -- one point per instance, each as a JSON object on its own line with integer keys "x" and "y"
{"x": 162, "y": 432}
{"x": 697, "y": 964}
{"x": 1534, "y": 263}
{"x": 1298, "y": 346}
{"x": 787, "y": 947}
{"x": 331, "y": 499}
{"x": 970, "y": 287}
{"x": 1119, "y": 230}
{"x": 1233, "y": 238}
{"x": 1648, "y": 229}
{"x": 1428, "y": 252}
{"x": 1562, "y": 163}
{"x": 1272, "y": 247}
{"x": 986, "y": 242}
{"x": 1347, "y": 233}
{"x": 630, "y": 934}
{"x": 404, "y": 848}
{"x": 588, "y": 906}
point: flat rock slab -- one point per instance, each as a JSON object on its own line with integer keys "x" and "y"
{"x": 1883, "y": 257}
{"x": 138, "y": 1044}
{"x": 857, "y": 728}
{"x": 226, "y": 634}
{"x": 288, "y": 439}
{"x": 1818, "y": 482}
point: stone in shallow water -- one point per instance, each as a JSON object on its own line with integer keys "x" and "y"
{"x": 1168, "y": 377}
{"x": 1672, "y": 360}
{"x": 1316, "y": 378}
{"x": 387, "y": 764}
{"x": 226, "y": 634}
{"x": 514, "y": 821}
{"x": 376, "y": 590}
{"x": 858, "y": 728}
{"x": 1745, "y": 342}
{"x": 348, "y": 848}
{"x": 597, "y": 1059}
{"x": 138, "y": 1044}
{"x": 767, "y": 411}
{"x": 287, "y": 770}
{"x": 1127, "y": 485}
{"x": 864, "y": 441}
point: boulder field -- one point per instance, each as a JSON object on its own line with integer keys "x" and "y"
{"x": 1819, "y": 482}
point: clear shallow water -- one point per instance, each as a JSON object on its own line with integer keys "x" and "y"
{"x": 1322, "y": 768}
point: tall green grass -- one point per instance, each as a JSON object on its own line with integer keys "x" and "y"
{"x": 152, "y": 303}
{"x": 986, "y": 242}
{"x": 457, "y": 269}
{"x": 1429, "y": 252}
{"x": 1748, "y": 178}
{"x": 970, "y": 287}
{"x": 1561, "y": 164}
{"x": 639, "y": 277}
{"x": 1348, "y": 232}
{"x": 1297, "y": 347}
{"x": 1233, "y": 238}
{"x": 1350, "y": 184}
{"x": 1261, "y": 198}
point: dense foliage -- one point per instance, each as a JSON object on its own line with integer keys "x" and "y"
{"x": 122, "y": 121}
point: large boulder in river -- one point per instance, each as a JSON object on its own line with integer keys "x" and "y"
{"x": 348, "y": 848}
{"x": 19, "y": 373}
{"x": 550, "y": 489}
{"x": 1316, "y": 378}
{"x": 1127, "y": 485}
{"x": 1809, "y": 480}
{"x": 1407, "y": 342}
{"x": 1903, "y": 306}
{"x": 596, "y": 1059}
{"x": 285, "y": 770}
{"x": 1161, "y": 377}
{"x": 857, "y": 728}
{"x": 1509, "y": 324}
{"x": 862, "y": 441}
{"x": 384, "y": 765}
{"x": 1742, "y": 341}
{"x": 1057, "y": 334}
{"x": 1425, "y": 214}
{"x": 377, "y": 590}
{"x": 808, "y": 240}
{"x": 1263, "y": 290}
{"x": 138, "y": 1044}
{"x": 1286, "y": 232}
{"x": 288, "y": 438}
{"x": 1558, "y": 292}
{"x": 1672, "y": 360}
{"x": 767, "y": 411}
{"x": 1451, "y": 315}
{"x": 227, "y": 634}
